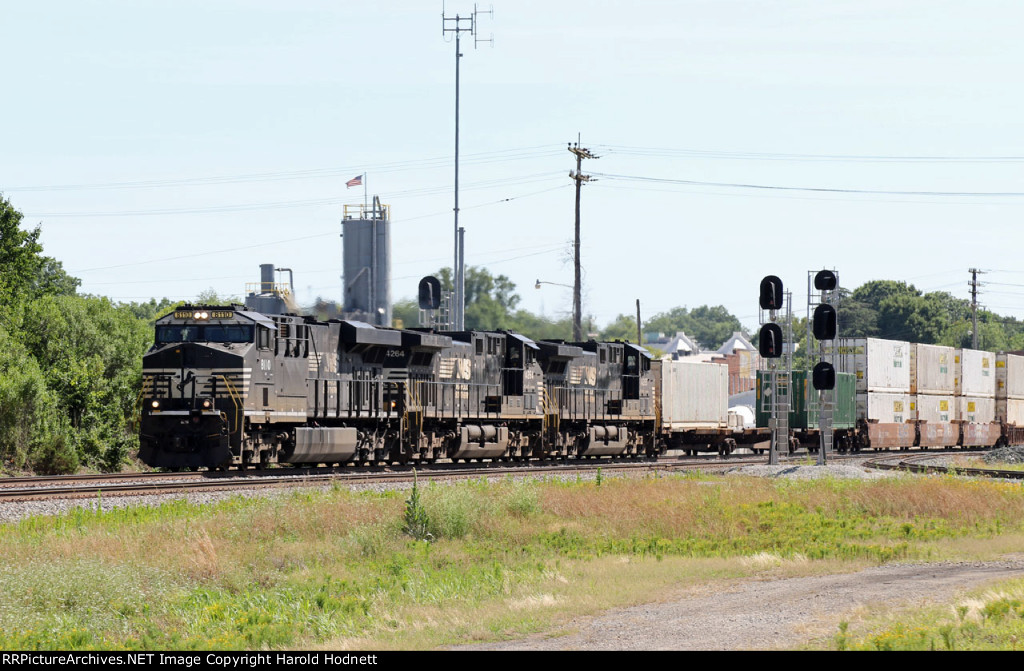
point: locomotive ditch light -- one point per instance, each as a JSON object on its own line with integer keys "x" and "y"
{"x": 207, "y": 403}
{"x": 771, "y": 293}
{"x": 155, "y": 404}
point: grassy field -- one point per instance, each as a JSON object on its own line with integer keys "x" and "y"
{"x": 449, "y": 564}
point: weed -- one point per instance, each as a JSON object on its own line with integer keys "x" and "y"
{"x": 417, "y": 522}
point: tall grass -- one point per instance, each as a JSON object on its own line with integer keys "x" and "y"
{"x": 338, "y": 568}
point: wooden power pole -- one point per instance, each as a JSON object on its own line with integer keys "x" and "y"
{"x": 577, "y": 302}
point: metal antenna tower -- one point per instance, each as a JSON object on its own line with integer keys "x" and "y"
{"x": 458, "y": 25}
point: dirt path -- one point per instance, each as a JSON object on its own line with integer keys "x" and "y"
{"x": 767, "y": 614}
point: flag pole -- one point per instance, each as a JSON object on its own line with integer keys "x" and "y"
{"x": 364, "y": 192}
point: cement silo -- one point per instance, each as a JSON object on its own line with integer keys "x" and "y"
{"x": 366, "y": 243}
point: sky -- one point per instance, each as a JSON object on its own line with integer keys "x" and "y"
{"x": 170, "y": 148}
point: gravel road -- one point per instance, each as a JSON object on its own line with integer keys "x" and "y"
{"x": 766, "y": 614}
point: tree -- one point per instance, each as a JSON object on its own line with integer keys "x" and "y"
{"x": 24, "y": 272}
{"x": 623, "y": 328}
{"x": 490, "y": 299}
{"x": 710, "y": 326}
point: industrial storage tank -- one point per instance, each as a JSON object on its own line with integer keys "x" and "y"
{"x": 366, "y": 242}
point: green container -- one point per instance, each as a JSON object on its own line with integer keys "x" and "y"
{"x": 804, "y": 413}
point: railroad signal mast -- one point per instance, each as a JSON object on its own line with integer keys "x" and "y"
{"x": 775, "y": 345}
{"x": 823, "y": 326}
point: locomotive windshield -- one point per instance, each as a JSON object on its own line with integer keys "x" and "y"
{"x": 169, "y": 333}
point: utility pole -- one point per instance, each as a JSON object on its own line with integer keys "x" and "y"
{"x": 974, "y": 305}
{"x": 458, "y": 25}
{"x": 579, "y": 178}
{"x": 639, "y": 340}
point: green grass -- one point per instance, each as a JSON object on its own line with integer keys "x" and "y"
{"x": 991, "y": 620}
{"x": 340, "y": 569}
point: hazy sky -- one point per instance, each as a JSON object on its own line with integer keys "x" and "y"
{"x": 171, "y": 147}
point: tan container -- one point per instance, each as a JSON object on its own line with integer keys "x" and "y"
{"x": 975, "y": 373}
{"x": 1010, "y": 411}
{"x": 880, "y": 365}
{"x": 693, "y": 395}
{"x": 1009, "y": 376}
{"x": 932, "y": 369}
{"x": 885, "y": 407}
{"x": 935, "y": 408}
{"x": 976, "y": 409}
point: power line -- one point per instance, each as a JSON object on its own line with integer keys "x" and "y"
{"x": 768, "y": 156}
{"x": 503, "y": 155}
{"x": 317, "y": 202}
{"x": 771, "y": 187}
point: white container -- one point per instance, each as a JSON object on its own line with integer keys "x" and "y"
{"x": 693, "y": 394}
{"x": 932, "y": 369}
{"x": 880, "y": 365}
{"x": 1010, "y": 411}
{"x": 885, "y": 407}
{"x": 975, "y": 373}
{"x": 935, "y": 408}
{"x": 1009, "y": 376}
{"x": 976, "y": 409}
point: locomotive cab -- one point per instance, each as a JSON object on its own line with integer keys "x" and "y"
{"x": 196, "y": 378}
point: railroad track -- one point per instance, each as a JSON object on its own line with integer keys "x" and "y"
{"x": 148, "y": 483}
{"x": 917, "y": 464}
{"x": 138, "y": 484}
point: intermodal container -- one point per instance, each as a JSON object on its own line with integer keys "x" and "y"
{"x": 805, "y": 412}
{"x": 975, "y": 373}
{"x": 1010, "y": 411}
{"x": 935, "y": 408}
{"x": 1009, "y": 376}
{"x": 976, "y": 409}
{"x": 879, "y": 365}
{"x": 932, "y": 369}
{"x": 693, "y": 394}
{"x": 884, "y": 407}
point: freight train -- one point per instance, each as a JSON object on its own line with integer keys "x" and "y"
{"x": 227, "y": 386}
{"x": 897, "y": 394}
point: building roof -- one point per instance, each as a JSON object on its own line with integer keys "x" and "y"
{"x": 737, "y": 341}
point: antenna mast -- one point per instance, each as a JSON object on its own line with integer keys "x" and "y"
{"x": 458, "y": 25}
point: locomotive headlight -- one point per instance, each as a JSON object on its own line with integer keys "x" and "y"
{"x": 204, "y": 315}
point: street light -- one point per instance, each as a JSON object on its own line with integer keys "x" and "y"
{"x": 537, "y": 285}
{"x": 576, "y": 326}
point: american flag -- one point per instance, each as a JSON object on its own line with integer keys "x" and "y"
{"x": 355, "y": 181}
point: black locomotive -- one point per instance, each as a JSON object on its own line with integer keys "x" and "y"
{"x": 226, "y": 386}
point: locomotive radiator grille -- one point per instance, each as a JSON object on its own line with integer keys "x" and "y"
{"x": 163, "y": 382}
